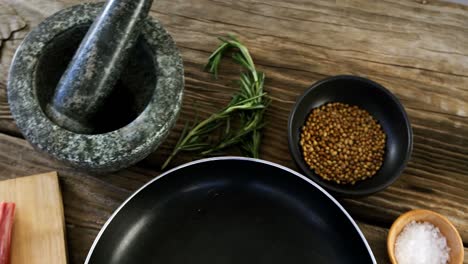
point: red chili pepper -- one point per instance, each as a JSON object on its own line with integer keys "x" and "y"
{"x": 7, "y": 212}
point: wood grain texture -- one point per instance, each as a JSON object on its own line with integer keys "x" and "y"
{"x": 39, "y": 226}
{"x": 90, "y": 199}
{"x": 418, "y": 51}
{"x": 10, "y": 22}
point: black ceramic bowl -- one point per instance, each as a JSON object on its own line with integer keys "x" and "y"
{"x": 381, "y": 104}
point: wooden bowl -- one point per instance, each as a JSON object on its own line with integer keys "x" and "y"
{"x": 445, "y": 226}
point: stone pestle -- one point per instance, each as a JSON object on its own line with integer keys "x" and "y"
{"x": 97, "y": 85}
{"x": 97, "y": 64}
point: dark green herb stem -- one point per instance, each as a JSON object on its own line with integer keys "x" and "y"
{"x": 247, "y": 106}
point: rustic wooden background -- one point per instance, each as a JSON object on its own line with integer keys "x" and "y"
{"x": 417, "y": 49}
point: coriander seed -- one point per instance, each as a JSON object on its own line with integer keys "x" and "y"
{"x": 342, "y": 143}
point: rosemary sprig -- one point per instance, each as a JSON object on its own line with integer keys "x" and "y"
{"x": 247, "y": 106}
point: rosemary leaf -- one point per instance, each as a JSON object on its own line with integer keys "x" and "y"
{"x": 247, "y": 106}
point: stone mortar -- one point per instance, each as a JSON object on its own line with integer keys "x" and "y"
{"x": 139, "y": 114}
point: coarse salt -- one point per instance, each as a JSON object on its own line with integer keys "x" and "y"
{"x": 421, "y": 243}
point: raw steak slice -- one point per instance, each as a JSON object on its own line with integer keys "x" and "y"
{"x": 7, "y": 212}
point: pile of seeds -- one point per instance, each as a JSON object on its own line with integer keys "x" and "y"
{"x": 342, "y": 143}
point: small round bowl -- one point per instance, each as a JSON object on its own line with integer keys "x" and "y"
{"x": 447, "y": 229}
{"x": 381, "y": 104}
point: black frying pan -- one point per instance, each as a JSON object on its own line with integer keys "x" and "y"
{"x": 230, "y": 210}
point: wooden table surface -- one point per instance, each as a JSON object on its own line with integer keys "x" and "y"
{"x": 417, "y": 49}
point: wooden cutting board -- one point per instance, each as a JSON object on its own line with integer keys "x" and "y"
{"x": 39, "y": 226}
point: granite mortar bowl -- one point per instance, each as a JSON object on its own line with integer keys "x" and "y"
{"x": 381, "y": 104}
{"x": 137, "y": 115}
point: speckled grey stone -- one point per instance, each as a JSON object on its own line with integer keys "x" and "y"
{"x": 37, "y": 67}
{"x": 97, "y": 64}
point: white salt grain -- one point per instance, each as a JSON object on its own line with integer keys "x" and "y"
{"x": 421, "y": 243}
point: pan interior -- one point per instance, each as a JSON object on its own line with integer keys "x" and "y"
{"x": 230, "y": 211}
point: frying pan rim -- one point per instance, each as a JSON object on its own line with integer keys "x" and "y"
{"x": 104, "y": 227}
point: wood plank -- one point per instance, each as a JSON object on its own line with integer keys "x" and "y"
{"x": 83, "y": 223}
{"x": 377, "y": 238}
{"x": 417, "y": 49}
{"x": 39, "y": 229}
{"x": 89, "y": 199}
{"x": 10, "y": 22}
{"x": 392, "y": 42}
